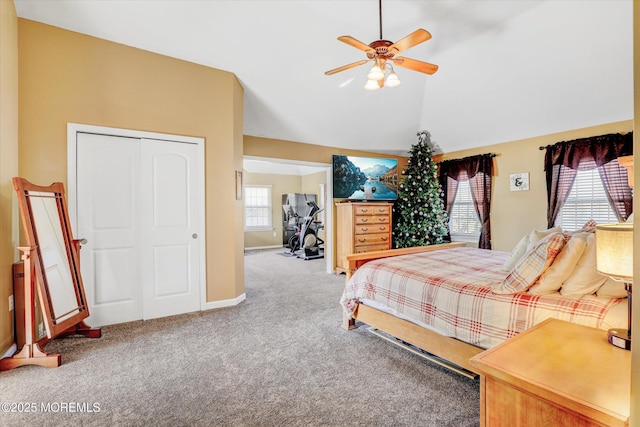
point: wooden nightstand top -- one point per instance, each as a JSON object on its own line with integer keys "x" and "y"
{"x": 566, "y": 364}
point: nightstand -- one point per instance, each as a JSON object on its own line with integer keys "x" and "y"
{"x": 555, "y": 374}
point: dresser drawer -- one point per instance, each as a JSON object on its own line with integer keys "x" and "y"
{"x": 371, "y": 239}
{"x": 371, "y": 248}
{"x": 372, "y": 219}
{"x": 373, "y": 210}
{"x": 372, "y": 228}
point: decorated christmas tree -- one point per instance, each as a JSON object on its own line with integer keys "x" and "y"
{"x": 419, "y": 213}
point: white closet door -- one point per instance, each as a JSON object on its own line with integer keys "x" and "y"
{"x": 138, "y": 202}
{"x": 170, "y": 247}
{"x": 108, "y": 185}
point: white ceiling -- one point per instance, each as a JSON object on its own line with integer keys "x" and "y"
{"x": 508, "y": 69}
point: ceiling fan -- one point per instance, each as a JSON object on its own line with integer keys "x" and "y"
{"x": 382, "y": 53}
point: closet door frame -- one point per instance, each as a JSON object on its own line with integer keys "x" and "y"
{"x": 74, "y": 128}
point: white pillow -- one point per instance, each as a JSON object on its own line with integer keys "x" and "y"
{"x": 516, "y": 253}
{"x": 611, "y": 289}
{"x": 585, "y": 279}
{"x": 562, "y": 267}
{"x": 536, "y": 235}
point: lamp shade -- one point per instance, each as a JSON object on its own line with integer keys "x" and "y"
{"x": 392, "y": 80}
{"x": 614, "y": 250}
{"x": 372, "y": 85}
{"x": 375, "y": 73}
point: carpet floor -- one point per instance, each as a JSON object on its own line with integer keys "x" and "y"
{"x": 279, "y": 358}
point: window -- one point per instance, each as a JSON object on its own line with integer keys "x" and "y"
{"x": 257, "y": 207}
{"x": 464, "y": 223}
{"x": 587, "y": 200}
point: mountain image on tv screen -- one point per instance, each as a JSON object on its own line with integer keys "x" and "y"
{"x": 365, "y": 178}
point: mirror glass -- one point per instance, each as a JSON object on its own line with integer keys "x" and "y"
{"x": 52, "y": 248}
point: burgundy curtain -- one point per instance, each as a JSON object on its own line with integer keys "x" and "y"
{"x": 450, "y": 189}
{"x": 478, "y": 170}
{"x": 616, "y": 185}
{"x": 563, "y": 159}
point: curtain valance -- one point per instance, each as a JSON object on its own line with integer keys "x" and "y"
{"x": 602, "y": 149}
{"x": 467, "y": 167}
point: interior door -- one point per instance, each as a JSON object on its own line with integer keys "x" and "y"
{"x": 108, "y": 185}
{"x": 138, "y": 207}
{"x": 170, "y": 230}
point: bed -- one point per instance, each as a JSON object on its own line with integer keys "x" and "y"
{"x": 453, "y": 301}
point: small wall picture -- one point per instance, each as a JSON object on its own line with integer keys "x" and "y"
{"x": 238, "y": 185}
{"x": 519, "y": 181}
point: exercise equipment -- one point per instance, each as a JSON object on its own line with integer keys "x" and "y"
{"x": 305, "y": 243}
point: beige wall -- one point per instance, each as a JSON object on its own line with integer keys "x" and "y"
{"x": 310, "y": 183}
{"x": 514, "y": 213}
{"x": 288, "y": 150}
{"x": 8, "y": 160}
{"x": 69, "y": 77}
{"x": 280, "y": 184}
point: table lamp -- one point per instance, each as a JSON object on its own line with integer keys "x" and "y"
{"x": 614, "y": 258}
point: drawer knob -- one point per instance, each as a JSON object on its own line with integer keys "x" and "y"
{"x": 364, "y": 219}
{"x": 384, "y": 238}
{"x": 365, "y": 228}
{"x": 362, "y": 240}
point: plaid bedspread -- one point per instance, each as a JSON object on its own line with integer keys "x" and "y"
{"x": 450, "y": 291}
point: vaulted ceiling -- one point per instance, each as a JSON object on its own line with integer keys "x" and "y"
{"x": 508, "y": 69}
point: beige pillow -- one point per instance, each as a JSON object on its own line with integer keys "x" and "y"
{"x": 562, "y": 267}
{"x": 611, "y": 289}
{"x": 518, "y": 252}
{"x": 536, "y": 235}
{"x": 532, "y": 265}
{"x": 585, "y": 279}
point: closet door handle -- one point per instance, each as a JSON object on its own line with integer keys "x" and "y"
{"x": 194, "y": 236}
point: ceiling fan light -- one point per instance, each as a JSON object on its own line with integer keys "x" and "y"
{"x": 392, "y": 80}
{"x": 375, "y": 73}
{"x": 372, "y": 85}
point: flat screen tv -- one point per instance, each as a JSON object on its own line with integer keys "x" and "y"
{"x": 365, "y": 178}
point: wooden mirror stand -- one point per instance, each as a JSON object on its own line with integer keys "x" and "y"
{"x": 50, "y": 266}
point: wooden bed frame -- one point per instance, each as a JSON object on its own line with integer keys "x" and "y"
{"x": 451, "y": 350}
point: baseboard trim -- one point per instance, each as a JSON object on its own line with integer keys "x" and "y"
{"x": 257, "y": 248}
{"x": 11, "y": 351}
{"x": 209, "y": 305}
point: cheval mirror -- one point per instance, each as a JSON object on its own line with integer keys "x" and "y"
{"x": 51, "y": 267}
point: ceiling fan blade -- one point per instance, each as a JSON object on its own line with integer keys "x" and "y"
{"x": 346, "y": 67}
{"x": 415, "y": 65}
{"x": 356, "y": 43}
{"x": 417, "y": 37}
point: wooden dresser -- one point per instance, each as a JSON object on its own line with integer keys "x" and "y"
{"x": 361, "y": 227}
{"x": 555, "y": 374}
